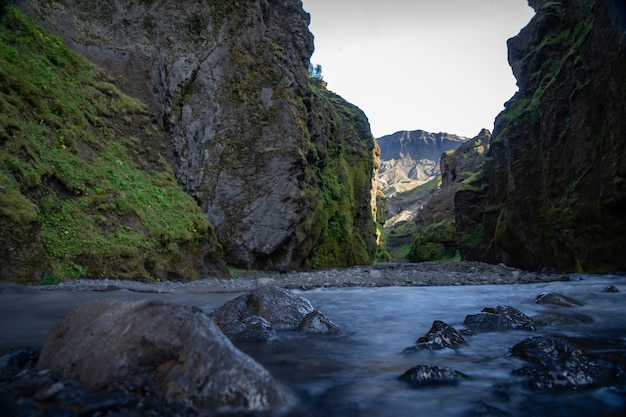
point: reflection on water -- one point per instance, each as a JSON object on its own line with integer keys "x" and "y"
{"x": 355, "y": 374}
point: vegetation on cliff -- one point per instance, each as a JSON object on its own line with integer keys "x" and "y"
{"x": 552, "y": 193}
{"x": 436, "y": 237}
{"x": 84, "y": 188}
{"x": 342, "y": 164}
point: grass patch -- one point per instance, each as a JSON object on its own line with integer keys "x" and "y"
{"x": 74, "y": 147}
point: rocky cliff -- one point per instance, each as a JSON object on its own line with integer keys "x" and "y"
{"x": 435, "y": 237}
{"x": 552, "y": 193}
{"x": 284, "y": 172}
{"x": 408, "y": 174}
{"x": 83, "y": 191}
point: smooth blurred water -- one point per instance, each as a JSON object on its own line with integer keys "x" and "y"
{"x": 356, "y": 374}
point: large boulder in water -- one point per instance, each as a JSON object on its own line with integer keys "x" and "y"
{"x": 174, "y": 350}
{"x": 440, "y": 336}
{"x": 282, "y": 309}
{"x": 498, "y": 319}
{"x": 557, "y": 363}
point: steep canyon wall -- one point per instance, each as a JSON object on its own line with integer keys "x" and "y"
{"x": 552, "y": 193}
{"x": 284, "y": 171}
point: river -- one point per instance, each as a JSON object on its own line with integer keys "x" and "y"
{"x": 356, "y": 373}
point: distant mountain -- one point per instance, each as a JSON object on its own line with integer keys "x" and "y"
{"x": 411, "y": 158}
{"x": 409, "y": 167}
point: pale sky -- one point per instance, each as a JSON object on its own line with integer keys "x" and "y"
{"x": 435, "y": 65}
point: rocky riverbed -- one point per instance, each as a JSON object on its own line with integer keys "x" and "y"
{"x": 379, "y": 275}
{"x": 142, "y": 336}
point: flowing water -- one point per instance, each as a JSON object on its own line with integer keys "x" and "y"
{"x": 356, "y": 373}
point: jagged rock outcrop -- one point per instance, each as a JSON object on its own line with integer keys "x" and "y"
{"x": 553, "y": 193}
{"x": 440, "y": 336}
{"x": 436, "y": 235}
{"x": 284, "y": 172}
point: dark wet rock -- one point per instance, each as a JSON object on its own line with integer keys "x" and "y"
{"x": 551, "y": 318}
{"x": 432, "y": 375}
{"x": 316, "y": 322}
{"x": 440, "y": 336}
{"x": 255, "y": 328}
{"x": 486, "y": 322}
{"x": 19, "y": 358}
{"x": 498, "y": 319}
{"x": 42, "y": 393}
{"x": 175, "y": 351}
{"x": 557, "y": 299}
{"x": 516, "y": 318}
{"x": 557, "y": 363}
{"x": 279, "y": 308}
{"x": 610, "y": 288}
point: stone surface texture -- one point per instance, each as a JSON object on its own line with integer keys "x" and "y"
{"x": 175, "y": 350}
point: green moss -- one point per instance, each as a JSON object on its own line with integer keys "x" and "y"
{"x": 474, "y": 239}
{"x": 473, "y": 181}
{"x": 418, "y": 192}
{"x": 433, "y": 242}
{"x": 345, "y": 228}
{"x": 69, "y": 146}
{"x": 14, "y": 205}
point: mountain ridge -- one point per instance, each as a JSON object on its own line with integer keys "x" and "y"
{"x": 411, "y": 158}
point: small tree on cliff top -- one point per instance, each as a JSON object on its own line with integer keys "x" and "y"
{"x": 315, "y": 75}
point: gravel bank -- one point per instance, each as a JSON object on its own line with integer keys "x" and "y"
{"x": 380, "y": 275}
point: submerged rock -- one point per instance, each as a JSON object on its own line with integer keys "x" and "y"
{"x": 279, "y": 308}
{"x": 552, "y": 318}
{"x": 175, "y": 351}
{"x": 19, "y": 358}
{"x": 432, "y": 375}
{"x": 440, "y": 336}
{"x": 557, "y": 299}
{"x": 28, "y": 392}
{"x": 557, "y": 363}
{"x": 498, "y": 319}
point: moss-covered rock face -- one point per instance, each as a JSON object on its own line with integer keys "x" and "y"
{"x": 556, "y": 192}
{"x": 84, "y": 187}
{"x": 436, "y": 237}
{"x": 339, "y": 183}
{"x": 227, "y": 83}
